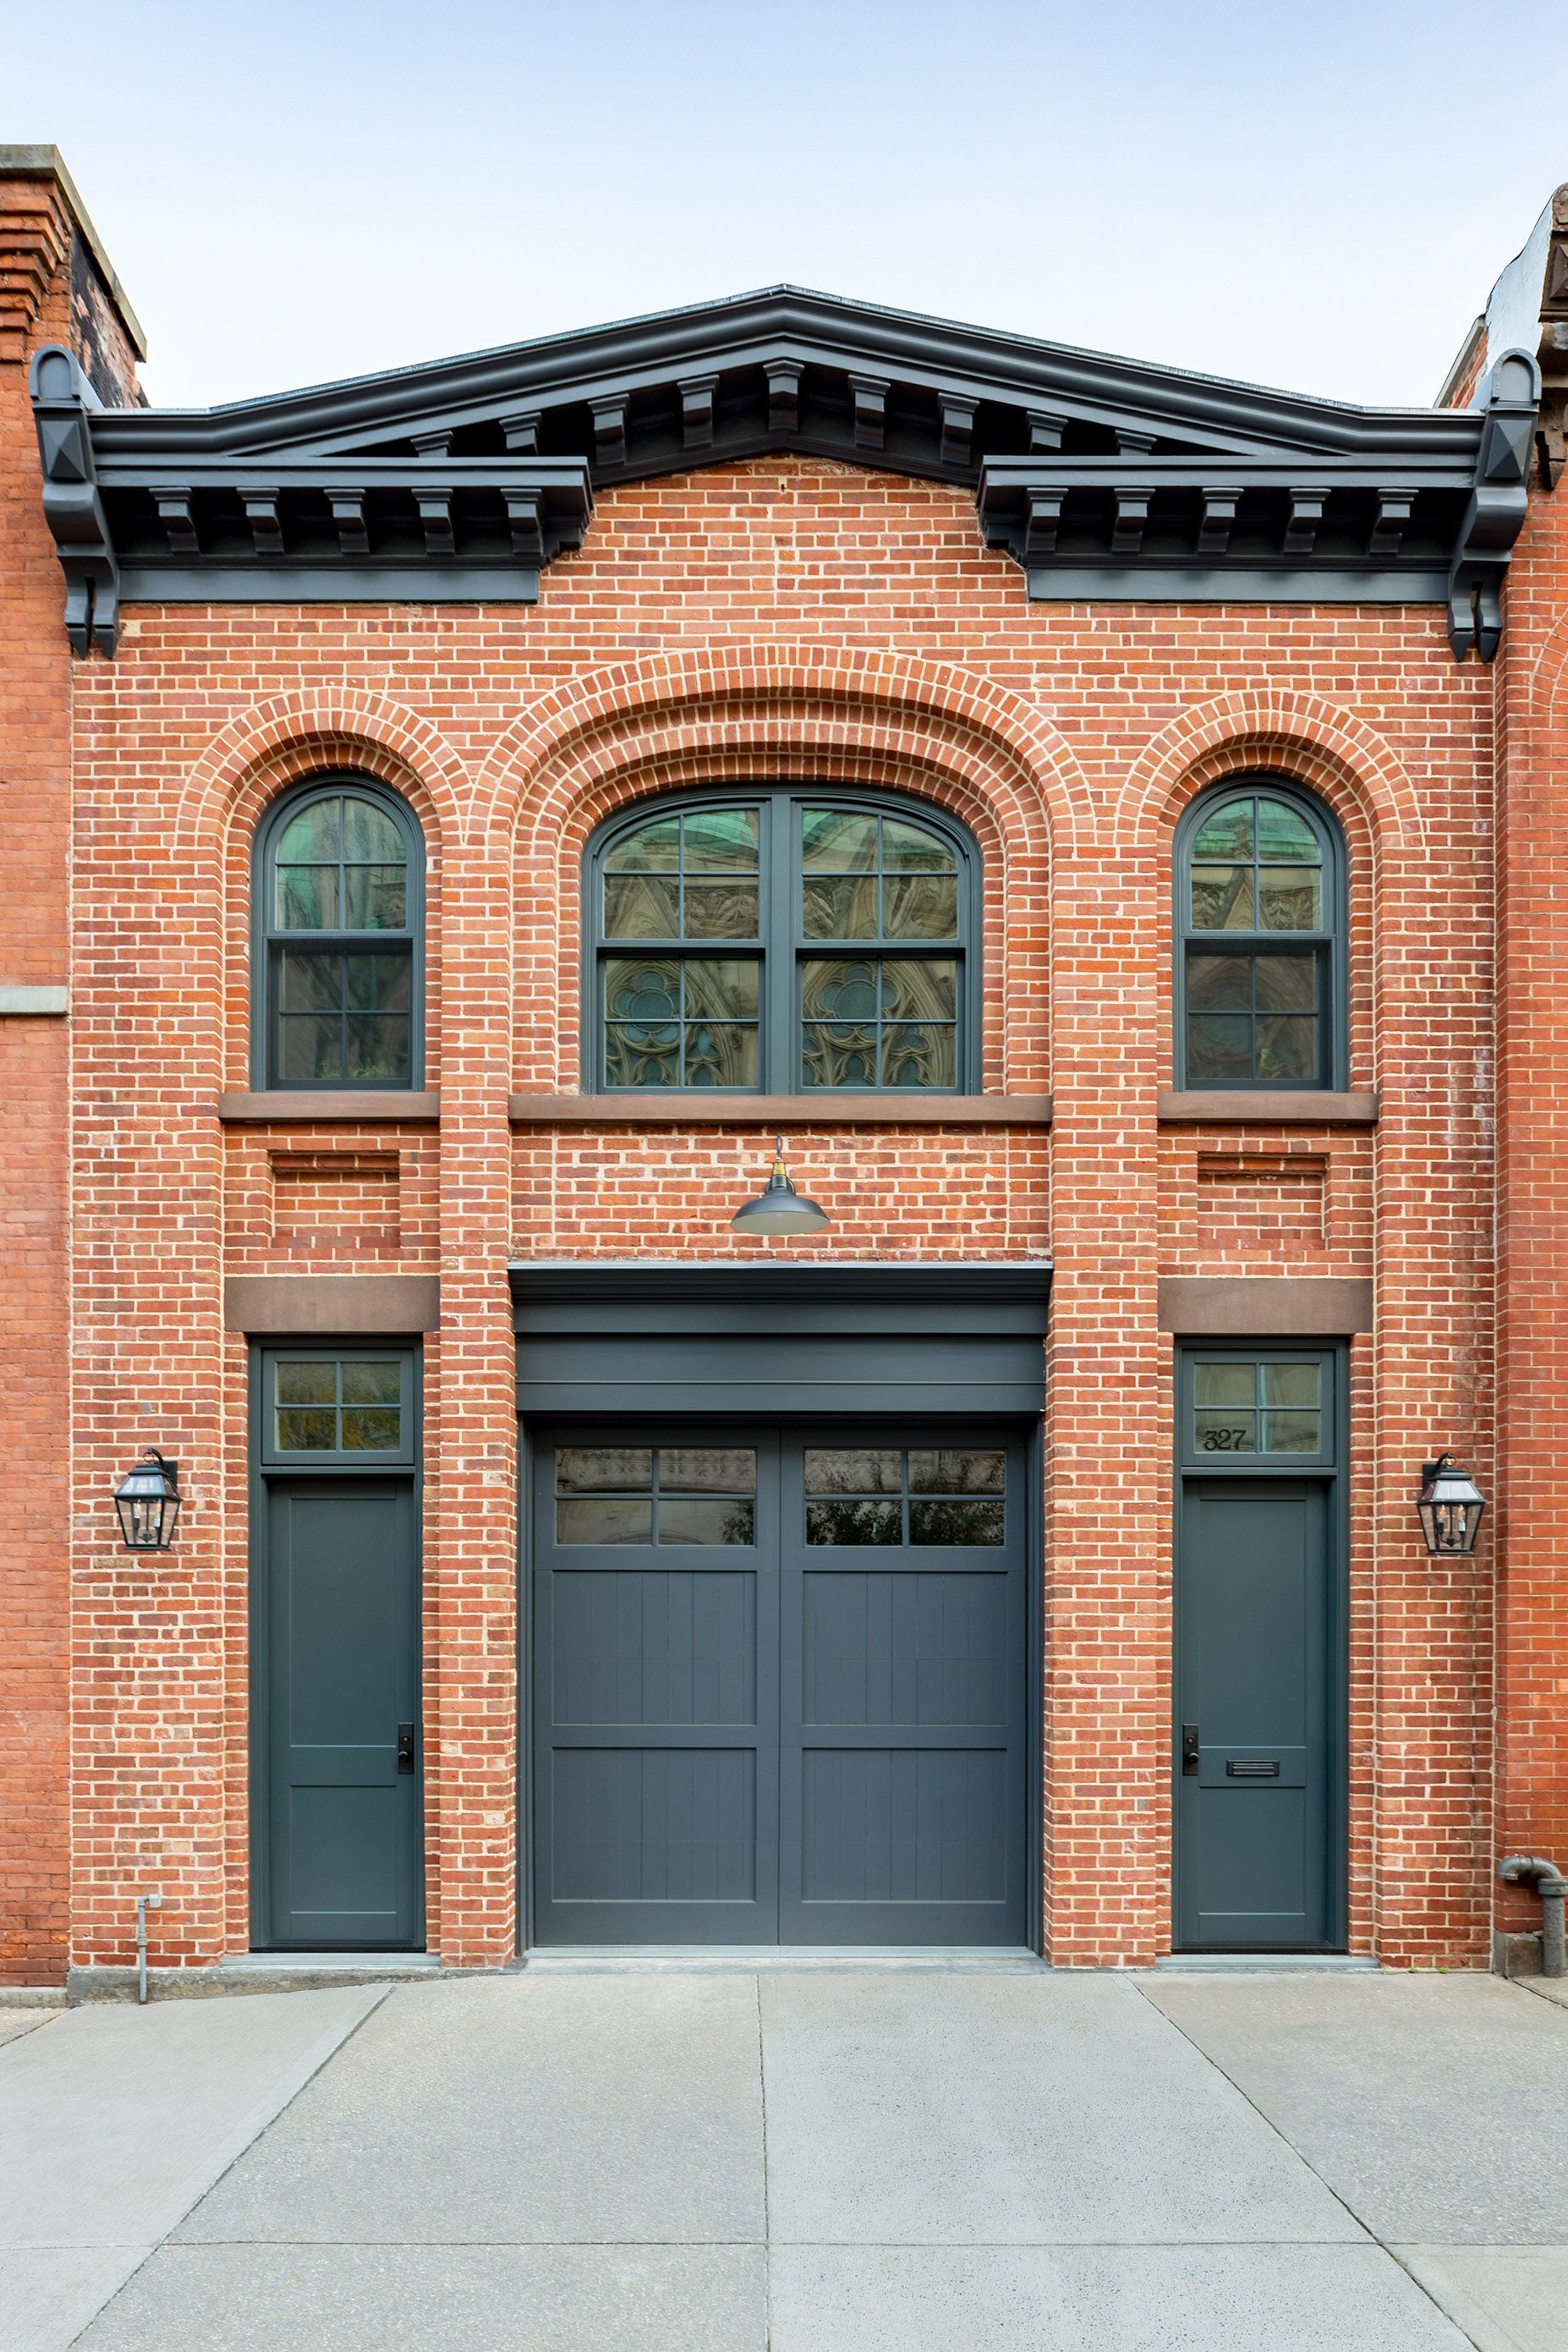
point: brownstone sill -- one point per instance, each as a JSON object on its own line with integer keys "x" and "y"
{"x": 1244, "y": 1108}
{"x": 370, "y": 1109}
{"x": 823, "y": 1110}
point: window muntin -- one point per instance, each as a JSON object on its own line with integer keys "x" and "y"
{"x": 1259, "y": 980}
{"x": 914, "y": 1496}
{"x": 1266, "y": 1406}
{"x": 793, "y": 942}
{"x": 357, "y": 1407}
{"x": 338, "y": 949}
{"x": 656, "y": 1494}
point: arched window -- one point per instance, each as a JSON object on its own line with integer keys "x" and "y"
{"x": 338, "y": 983}
{"x": 1260, "y": 978}
{"x": 782, "y": 940}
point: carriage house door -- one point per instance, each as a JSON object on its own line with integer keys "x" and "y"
{"x": 1259, "y": 1641}
{"x": 779, "y": 1686}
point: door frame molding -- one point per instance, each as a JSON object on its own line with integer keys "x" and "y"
{"x": 1028, "y": 1429}
{"x": 259, "y": 1672}
{"x": 1332, "y": 1475}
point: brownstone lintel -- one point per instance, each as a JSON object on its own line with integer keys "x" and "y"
{"x": 825, "y": 1109}
{"x": 332, "y": 1306}
{"x": 290, "y": 1107}
{"x": 1265, "y": 1305}
{"x": 1249, "y": 1107}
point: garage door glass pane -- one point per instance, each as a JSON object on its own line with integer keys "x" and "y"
{"x": 645, "y": 1495}
{"x": 943, "y": 1495}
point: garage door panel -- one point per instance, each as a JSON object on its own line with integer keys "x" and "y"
{"x": 904, "y": 1826}
{"x": 928, "y": 1647}
{"x": 655, "y": 1826}
{"x": 655, "y": 1646}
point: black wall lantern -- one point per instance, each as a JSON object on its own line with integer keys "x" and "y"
{"x": 779, "y": 1208}
{"x": 1450, "y": 1505}
{"x": 148, "y": 1501}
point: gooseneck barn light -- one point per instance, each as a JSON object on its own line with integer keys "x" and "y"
{"x": 148, "y": 1501}
{"x": 779, "y": 1208}
{"x": 1450, "y": 1505}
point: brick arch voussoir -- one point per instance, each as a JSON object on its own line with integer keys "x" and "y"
{"x": 1549, "y": 678}
{"x": 858, "y": 690}
{"x": 279, "y": 740}
{"x": 1328, "y": 748}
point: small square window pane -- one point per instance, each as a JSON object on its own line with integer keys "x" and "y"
{"x": 1222, "y": 899}
{"x": 1293, "y": 1385}
{"x": 370, "y": 836}
{"x": 1285, "y": 836}
{"x": 377, "y": 1048}
{"x": 1292, "y": 1433}
{"x": 1290, "y": 899}
{"x": 641, "y": 1056}
{"x": 720, "y": 1053}
{"x": 306, "y": 1384}
{"x": 373, "y": 1383}
{"x": 721, "y": 910}
{"x": 314, "y": 836}
{"x": 1287, "y": 1046}
{"x": 1221, "y": 1431}
{"x": 599, "y": 1519}
{"x": 952, "y": 1470}
{"x": 642, "y": 989}
{"x": 707, "y": 1470}
{"x": 955, "y": 1523}
{"x": 376, "y": 899}
{"x": 919, "y": 991}
{"x": 705, "y": 1519}
{"x": 655, "y": 847}
{"x": 642, "y": 907}
{"x": 1219, "y": 1048}
{"x": 911, "y": 849}
{"x": 846, "y": 1522}
{"x": 371, "y": 1429}
{"x": 833, "y": 841}
{"x": 842, "y": 908}
{"x": 723, "y": 988}
{"x": 918, "y": 1054}
{"x": 303, "y": 1429}
{"x": 838, "y": 1054}
{"x": 309, "y": 982}
{"x": 1219, "y": 984}
{"x": 307, "y": 898}
{"x": 843, "y": 991}
{"x": 309, "y": 1047}
{"x": 1225, "y": 1384}
{"x": 380, "y": 983}
{"x": 853, "y": 1470}
{"x": 1226, "y": 831}
{"x": 603, "y": 1469}
{"x": 1286, "y": 983}
{"x": 720, "y": 841}
{"x": 919, "y": 906}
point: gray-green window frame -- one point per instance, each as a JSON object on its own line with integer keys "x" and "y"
{"x": 270, "y": 1455}
{"x": 267, "y": 938}
{"x": 1330, "y": 943}
{"x": 781, "y": 946}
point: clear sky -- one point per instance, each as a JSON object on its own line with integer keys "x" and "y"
{"x": 1317, "y": 197}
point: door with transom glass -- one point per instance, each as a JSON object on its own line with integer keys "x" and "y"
{"x": 780, "y": 1687}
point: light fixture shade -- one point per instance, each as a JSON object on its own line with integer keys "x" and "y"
{"x": 779, "y": 1208}
{"x": 148, "y": 1503}
{"x": 1450, "y": 1506}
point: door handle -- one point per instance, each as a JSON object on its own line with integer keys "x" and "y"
{"x": 405, "y": 1747}
{"x": 1189, "y": 1748}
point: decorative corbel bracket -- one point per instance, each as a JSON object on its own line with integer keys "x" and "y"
{"x": 1494, "y": 514}
{"x": 72, "y": 507}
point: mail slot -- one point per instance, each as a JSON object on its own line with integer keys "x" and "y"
{"x": 1252, "y": 1768}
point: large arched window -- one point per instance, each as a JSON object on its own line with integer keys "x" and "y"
{"x": 338, "y": 984}
{"x": 1260, "y": 929}
{"x": 782, "y": 940}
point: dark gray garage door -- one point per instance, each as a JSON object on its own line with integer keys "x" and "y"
{"x": 780, "y": 1687}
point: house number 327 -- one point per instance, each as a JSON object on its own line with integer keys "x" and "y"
{"x": 1224, "y": 1441}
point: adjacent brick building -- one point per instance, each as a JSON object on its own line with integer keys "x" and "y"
{"x": 467, "y": 812}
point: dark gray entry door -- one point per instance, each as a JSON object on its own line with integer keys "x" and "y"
{"x": 1256, "y": 1830}
{"x": 780, "y": 1688}
{"x": 344, "y": 1776}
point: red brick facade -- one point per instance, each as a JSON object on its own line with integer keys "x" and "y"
{"x": 790, "y": 617}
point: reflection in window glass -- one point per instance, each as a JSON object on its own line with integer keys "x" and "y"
{"x": 1257, "y": 1408}
{"x": 646, "y": 1495}
{"x": 340, "y": 957}
{"x": 347, "y": 1406}
{"x": 1256, "y": 1010}
{"x": 889, "y": 1495}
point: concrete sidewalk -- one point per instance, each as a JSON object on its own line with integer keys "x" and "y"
{"x": 833, "y": 2160}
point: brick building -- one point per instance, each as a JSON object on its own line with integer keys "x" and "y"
{"x": 457, "y": 819}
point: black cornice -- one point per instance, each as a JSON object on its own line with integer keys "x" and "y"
{"x": 1102, "y": 477}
